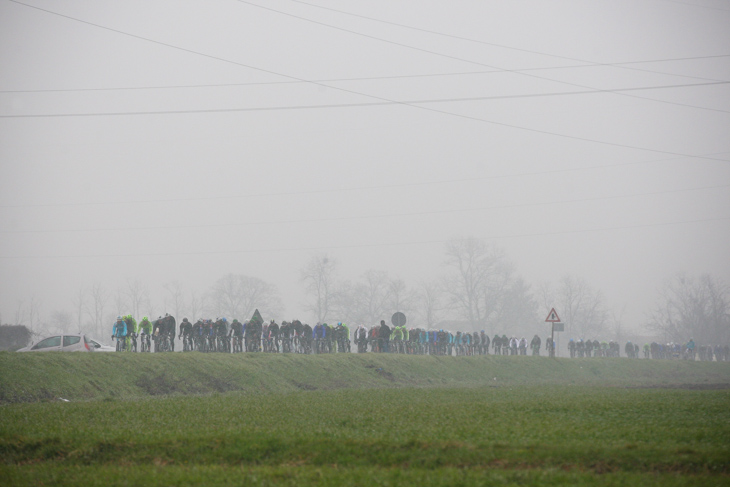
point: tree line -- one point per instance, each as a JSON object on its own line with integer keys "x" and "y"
{"x": 479, "y": 289}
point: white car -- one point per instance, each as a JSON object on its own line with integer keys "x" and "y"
{"x": 61, "y": 343}
{"x": 97, "y": 346}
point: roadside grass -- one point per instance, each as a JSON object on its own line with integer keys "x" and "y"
{"x": 30, "y": 377}
{"x": 260, "y": 419}
{"x": 335, "y": 476}
{"x": 528, "y": 435}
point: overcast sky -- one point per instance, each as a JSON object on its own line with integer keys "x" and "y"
{"x": 168, "y": 140}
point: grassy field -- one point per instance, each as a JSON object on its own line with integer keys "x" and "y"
{"x": 30, "y": 377}
{"x": 542, "y": 422}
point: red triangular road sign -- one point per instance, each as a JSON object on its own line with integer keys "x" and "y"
{"x": 552, "y": 317}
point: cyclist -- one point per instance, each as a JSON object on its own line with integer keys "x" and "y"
{"x": 132, "y": 330}
{"x": 397, "y": 338}
{"x": 119, "y": 331}
{"x": 307, "y": 334}
{"x": 209, "y": 332}
{"x": 327, "y": 335}
{"x": 145, "y": 328}
{"x": 384, "y": 336}
{"x": 274, "y": 336}
{"x": 286, "y": 332}
{"x": 198, "y": 338}
{"x": 361, "y": 338}
{"x": 373, "y": 339}
{"x": 550, "y": 346}
{"x": 248, "y": 335}
{"x": 457, "y": 343}
{"x": 237, "y": 333}
{"x": 220, "y": 330}
{"x": 167, "y": 330}
{"x": 535, "y": 345}
{"x": 476, "y": 341}
{"x": 318, "y": 336}
{"x": 467, "y": 343}
{"x": 523, "y": 346}
{"x": 342, "y": 335}
{"x": 186, "y": 333}
{"x": 589, "y": 348}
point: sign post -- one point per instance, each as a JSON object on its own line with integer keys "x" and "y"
{"x": 398, "y": 319}
{"x": 554, "y": 319}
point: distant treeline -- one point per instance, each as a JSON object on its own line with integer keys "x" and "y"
{"x": 13, "y": 337}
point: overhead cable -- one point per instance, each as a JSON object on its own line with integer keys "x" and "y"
{"x": 344, "y": 90}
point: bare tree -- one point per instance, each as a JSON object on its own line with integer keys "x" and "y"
{"x": 20, "y": 314}
{"x": 617, "y": 325}
{"x": 62, "y": 321}
{"x": 150, "y": 309}
{"x": 367, "y": 299}
{"x": 581, "y": 308}
{"x": 79, "y": 303}
{"x": 137, "y": 296}
{"x": 34, "y": 312}
{"x": 318, "y": 279}
{"x": 237, "y": 296}
{"x": 175, "y": 299}
{"x": 477, "y": 273}
{"x": 120, "y": 302}
{"x": 399, "y": 297}
{"x": 98, "y": 299}
{"x": 196, "y": 306}
{"x": 430, "y": 305}
{"x": 696, "y": 308}
{"x": 514, "y": 311}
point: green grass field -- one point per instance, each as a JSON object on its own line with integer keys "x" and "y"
{"x": 353, "y": 420}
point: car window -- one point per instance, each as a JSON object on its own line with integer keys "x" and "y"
{"x": 71, "y": 340}
{"x": 95, "y": 344}
{"x": 47, "y": 343}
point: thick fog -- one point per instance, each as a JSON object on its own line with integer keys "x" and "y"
{"x": 169, "y": 144}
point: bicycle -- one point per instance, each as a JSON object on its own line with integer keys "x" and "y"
{"x": 131, "y": 343}
{"x": 210, "y": 343}
{"x": 120, "y": 343}
{"x": 187, "y": 342}
{"x": 237, "y": 344}
{"x": 285, "y": 345}
{"x": 145, "y": 343}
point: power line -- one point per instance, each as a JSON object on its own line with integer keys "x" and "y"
{"x": 461, "y": 59}
{"x": 363, "y": 217}
{"x": 346, "y": 189}
{"x": 361, "y": 78}
{"x": 369, "y": 104}
{"x": 353, "y": 246}
{"x": 493, "y": 44}
{"x": 697, "y": 5}
{"x": 344, "y": 90}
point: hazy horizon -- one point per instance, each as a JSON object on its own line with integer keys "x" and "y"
{"x": 182, "y": 142}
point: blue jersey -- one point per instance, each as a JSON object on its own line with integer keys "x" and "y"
{"x": 119, "y": 329}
